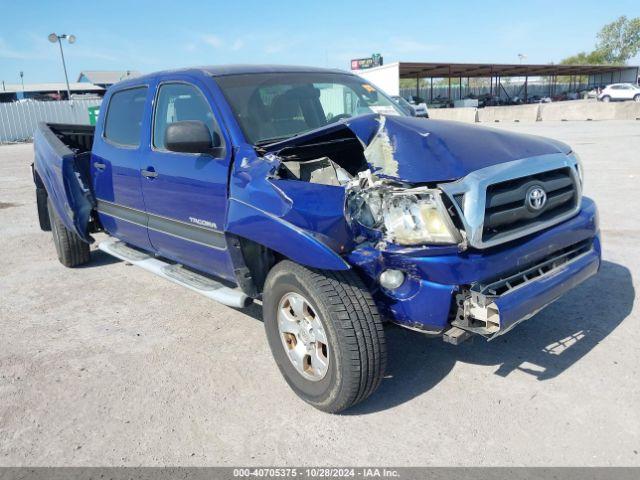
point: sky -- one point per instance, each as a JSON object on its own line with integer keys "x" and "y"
{"x": 149, "y": 36}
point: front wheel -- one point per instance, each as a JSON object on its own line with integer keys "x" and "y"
{"x": 637, "y": 98}
{"x": 325, "y": 334}
{"x": 606, "y": 99}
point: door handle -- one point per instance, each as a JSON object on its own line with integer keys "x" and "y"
{"x": 99, "y": 165}
{"x": 149, "y": 173}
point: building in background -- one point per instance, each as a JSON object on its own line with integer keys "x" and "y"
{"x": 105, "y": 78}
{"x": 90, "y": 84}
{"x": 14, "y": 92}
{"x": 444, "y": 84}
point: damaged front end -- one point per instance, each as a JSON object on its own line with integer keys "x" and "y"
{"x": 378, "y": 206}
{"x": 397, "y": 200}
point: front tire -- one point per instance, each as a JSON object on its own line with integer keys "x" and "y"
{"x": 606, "y": 99}
{"x": 72, "y": 250}
{"x": 637, "y": 98}
{"x": 325, "y": 334}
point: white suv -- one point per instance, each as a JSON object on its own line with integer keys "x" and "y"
{"x": 620, "y": 91}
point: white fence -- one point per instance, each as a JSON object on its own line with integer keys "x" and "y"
{"x": 18, "y": 120}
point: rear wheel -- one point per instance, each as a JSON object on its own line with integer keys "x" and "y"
{"x": 43, "y": 209}
{"x": 637, "y": 98}
{"x": 325, "y": 334}
{"x": 72, "y": 250}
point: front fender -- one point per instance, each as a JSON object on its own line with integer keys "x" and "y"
{"x": 273, "y": 232}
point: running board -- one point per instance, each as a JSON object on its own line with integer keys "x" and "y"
{"x": 232, "y": 297}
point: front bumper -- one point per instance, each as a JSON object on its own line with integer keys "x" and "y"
{"x": 439, "y": 278}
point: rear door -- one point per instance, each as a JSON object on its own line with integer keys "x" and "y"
{"x": 186, "y": 194}
{"x": 115, "y": 164}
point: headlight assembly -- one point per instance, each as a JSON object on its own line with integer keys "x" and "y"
{"x": 420, "y": 217}
{"x": 407, "y": 216}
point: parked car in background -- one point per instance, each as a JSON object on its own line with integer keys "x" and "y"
{"x": 620, "y": 92}
{"x": 412, "y": 109}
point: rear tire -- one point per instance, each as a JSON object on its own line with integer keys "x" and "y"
{"x": 637, "y": 98}
{"x": 337, "y": 304}
{"x": 72, "y": 250}
{"x": 43, "y": 209}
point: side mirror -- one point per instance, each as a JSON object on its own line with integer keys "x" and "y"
{"x": 190, "y": 136}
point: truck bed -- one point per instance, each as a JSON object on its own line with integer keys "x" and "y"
{"x": 62, "y": 159}
{"x": 78, "y": 138}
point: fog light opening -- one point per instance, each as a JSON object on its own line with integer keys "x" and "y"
{"x": 391, "y": 279}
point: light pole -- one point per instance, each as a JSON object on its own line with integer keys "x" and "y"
{"x": 53, "y": 38}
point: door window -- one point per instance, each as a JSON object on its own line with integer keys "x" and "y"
{"x": 178, "y": 102}
{"x": 124, "y": 117}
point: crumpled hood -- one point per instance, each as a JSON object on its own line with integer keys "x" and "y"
{"x": 416, "y": 150}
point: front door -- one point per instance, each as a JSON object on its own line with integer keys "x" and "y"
{"x": 186, "y": 194}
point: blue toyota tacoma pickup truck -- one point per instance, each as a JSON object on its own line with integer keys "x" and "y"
{"x": 310, "y": 191}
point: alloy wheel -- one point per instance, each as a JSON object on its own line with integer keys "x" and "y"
{"x": 303, "y": 336}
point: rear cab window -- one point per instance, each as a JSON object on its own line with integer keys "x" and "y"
{"x": 123, "y": 123}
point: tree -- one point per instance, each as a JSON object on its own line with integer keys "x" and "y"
{"x": 597, "y": 57}
{"x": 619, "y": 40}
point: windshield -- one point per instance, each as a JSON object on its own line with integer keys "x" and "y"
{"x": 275, "y": 106}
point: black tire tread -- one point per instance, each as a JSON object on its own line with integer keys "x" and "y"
{"x": 72, "y": 250}
{"x": 360, "y": 327}
{"x": 43, "y": 209}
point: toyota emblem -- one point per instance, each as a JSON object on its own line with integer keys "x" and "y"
{"x": 536, "y": 198}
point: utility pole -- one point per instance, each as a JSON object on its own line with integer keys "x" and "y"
{"x": 53, "y": 38}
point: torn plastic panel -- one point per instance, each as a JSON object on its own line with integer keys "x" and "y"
{"x": 348, "y": 147}
{"x": 333, "y": 160}
{"x": 493, "y": 308}
{"x": 321, "y": 170}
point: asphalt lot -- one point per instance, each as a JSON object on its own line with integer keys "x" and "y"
{"x": 108, "y": 365}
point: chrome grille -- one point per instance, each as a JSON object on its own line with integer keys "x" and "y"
{"x": 507, "y": 210}
{"x": 496, "y": 195}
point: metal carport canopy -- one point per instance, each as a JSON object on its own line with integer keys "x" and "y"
{"x": 456, "y": 70}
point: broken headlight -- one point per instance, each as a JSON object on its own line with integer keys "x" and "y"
{"x": 407, "y": 216}
{"x": 420, "y": 217}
